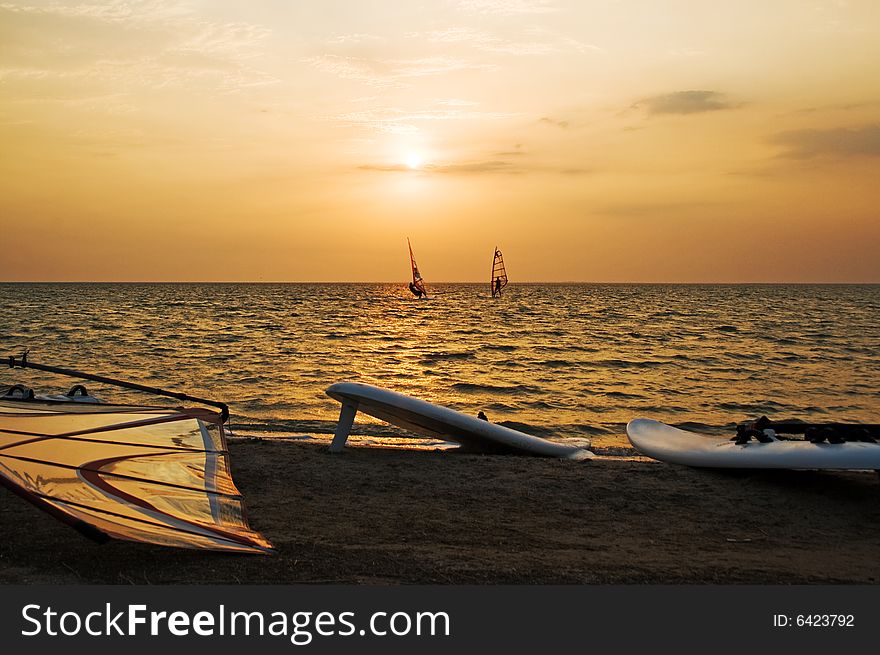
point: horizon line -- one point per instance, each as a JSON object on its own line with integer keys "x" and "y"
{"x": 403, "y": 282}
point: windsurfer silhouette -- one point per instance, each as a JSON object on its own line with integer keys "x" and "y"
{"x": 497, "y": 286}
{"x": 415, "y": 290}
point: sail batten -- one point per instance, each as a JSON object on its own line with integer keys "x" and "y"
{"x": 499, "y": 274}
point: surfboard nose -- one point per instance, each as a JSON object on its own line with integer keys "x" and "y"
{"x": 344, "y": 390}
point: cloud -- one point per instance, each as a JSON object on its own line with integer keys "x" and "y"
{"x": 463, "y": 168}
{"x": 456, "y": 35}
{"x": 652, "y": 209}
{"x": 508, "y": 7}
{"x": 509, "y": 162}
{"x": 686, "y": 102}
{"x": 530, "y": 41}
{"x": 841, "y": 142}
{"x": 354, "y": 38}
{"x": 113, "y": 11}
{"x": 432, "y": 66}
{"x": 118, "y": 46}
{"x": 352, "y": 68}
{"x": 456, "y": 102}
{"x": 516, "y": 152}
{"x": 555, "y": 122}
{"x": 490, "y": 166}
{"x": 384, "y": 73}
{"x": 687, "y": 52}
{"x": 523, "y": 48}
{"x": 392, "y": 120}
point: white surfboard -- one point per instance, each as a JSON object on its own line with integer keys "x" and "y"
{"x": 669, "y": 444}
{"x": 420, "y": 417}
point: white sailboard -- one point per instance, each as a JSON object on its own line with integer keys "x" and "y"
{"x": 669, "y": 444}
{"x": 426, "y": 419}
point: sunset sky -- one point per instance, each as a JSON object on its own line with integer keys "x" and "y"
{"x": 296, "y": 140}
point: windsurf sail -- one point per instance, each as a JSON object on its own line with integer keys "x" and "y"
{"x": 499, "y": 274}
{"x": 140, "y": 473}
{"x": 417, "y": 286}
{"x": 147, "y": 474}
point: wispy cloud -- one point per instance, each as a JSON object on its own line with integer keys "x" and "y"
{"x": 341, "y": 60}
{"x": 686, "y": 102}
{"x": 516, "y": 152}
{"x": 555, "y": 122}
{"x": 838, "y": 142}
{"x": 390, "y": 72}
{"x": 652, "y": 209}
{"x": 122, "y": 45}
{"x": 456, "y": 102}
{"x": 837, "y": 107}
{"x": 352, "y": 68}
{"x": 530, "y": 41}
{"x": 400, "y": 121}
{"x": 113, "y": 11}
{"x": 463, "y": 168}
{"x": 509, "y": 162}
{"x": 354, "y": 38}
{"x": 687, "y": 53}
{"x": 508, "y": 7}
{"x": 456, "y": 34}
{"x": 432, "y": 66}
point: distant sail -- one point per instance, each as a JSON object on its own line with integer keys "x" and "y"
{"x": 417, "y": 286}
{"x": 499, "y": 274}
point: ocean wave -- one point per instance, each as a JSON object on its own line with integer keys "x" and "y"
{"x": 558, "y": 363}
{"x": 501, "y": 407}
{"x": 660, "y": 409}
{"x": 624, "y": 363}
{"x": 470, "y": 387}
{"x": 446, "y": 356}
{"x": 621, "y": 395}
{"x": 596, "y": 409}
{"x": 542, "y": 404}
{"x": 759, "y": 406}
{"x": 592, "y": 429}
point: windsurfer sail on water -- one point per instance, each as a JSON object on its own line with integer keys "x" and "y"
{"x": 499, "y": 274}
{"x": 417, "y": 286}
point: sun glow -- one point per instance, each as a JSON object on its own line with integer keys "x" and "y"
{"x": 414, "y": 161}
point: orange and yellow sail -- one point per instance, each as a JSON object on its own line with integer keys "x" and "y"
{"x": 147, "y": 474}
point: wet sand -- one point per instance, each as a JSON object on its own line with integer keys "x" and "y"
{"x": 377, "y": 516}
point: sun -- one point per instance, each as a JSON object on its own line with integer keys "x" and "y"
{"x": 414, "y": 161}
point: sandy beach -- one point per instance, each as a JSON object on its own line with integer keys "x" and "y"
{"x": 393, "y": 516}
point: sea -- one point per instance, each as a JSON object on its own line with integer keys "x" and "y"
{"x": 571, "y": 362}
